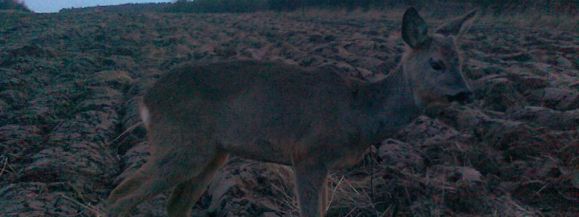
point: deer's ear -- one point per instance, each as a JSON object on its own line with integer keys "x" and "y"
{"x": 414, "y": 29}
{"x": 457, "y": 26}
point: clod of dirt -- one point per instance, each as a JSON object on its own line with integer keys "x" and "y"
{"x": 119, "y": 80}
{"x": 544, "y": 117}
{"x": 558, "y": 98}
{"x": 400, "y": 155}
{"x": 499, "y": 94}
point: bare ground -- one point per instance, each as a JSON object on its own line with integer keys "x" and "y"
{"x": 69, "y": 82}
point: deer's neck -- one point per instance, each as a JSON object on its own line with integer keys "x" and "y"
{"x": 386, "y": 106}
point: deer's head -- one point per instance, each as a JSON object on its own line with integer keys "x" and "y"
{"x": 432, "y": 63}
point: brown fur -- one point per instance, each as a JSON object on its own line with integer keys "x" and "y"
{"x": 311, "y": 119}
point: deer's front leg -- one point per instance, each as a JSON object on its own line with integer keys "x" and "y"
{"x": 310, "y": 184}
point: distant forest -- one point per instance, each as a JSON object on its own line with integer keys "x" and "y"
{"x": 212, "y": 6}
{"x": 13, "y": 5}
{"x": 553, "y": 7}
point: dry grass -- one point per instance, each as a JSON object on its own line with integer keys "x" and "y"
{"x": 87, "y": 209}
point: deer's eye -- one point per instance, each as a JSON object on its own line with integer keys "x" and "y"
{"x": 436, "y": 64}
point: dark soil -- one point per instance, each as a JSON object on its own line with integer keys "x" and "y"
{"x": 69, "y": 84}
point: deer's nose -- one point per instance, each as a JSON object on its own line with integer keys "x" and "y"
{"x": 462, "y": 97}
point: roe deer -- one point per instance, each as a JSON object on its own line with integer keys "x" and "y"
{"x": 312, "y": 119}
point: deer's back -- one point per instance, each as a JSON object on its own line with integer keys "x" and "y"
{"x": 223, "y": 82}
{"x": 247, "y": 103}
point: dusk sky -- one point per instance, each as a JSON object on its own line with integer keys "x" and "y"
{"x": 44, "y": 6}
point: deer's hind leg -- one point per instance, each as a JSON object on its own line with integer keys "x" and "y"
{"x": 311, "y": 187}
{"x": 325, "y": 197}
{"x": 174, "y": 160}
{"x": 187, "y": 193}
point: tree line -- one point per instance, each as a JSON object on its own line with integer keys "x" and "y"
{"x": 217, "y": 6}
{"x": 13, "y": 5}
{"x": 276, "y": 5}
